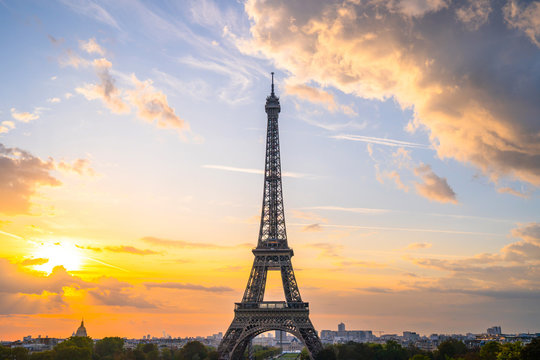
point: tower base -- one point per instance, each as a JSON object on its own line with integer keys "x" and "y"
{"x": 252, "y": 319}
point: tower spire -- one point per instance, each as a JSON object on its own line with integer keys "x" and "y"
{"x": 272, "y": 232}
{"x": 272, "y": 84}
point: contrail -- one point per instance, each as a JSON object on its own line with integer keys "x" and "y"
{"x": 254, "y": 171}
{"x": 12, "y": 235}
{"x": 381, "y": 141}
{"x": 388, "y": 228}
{"x": 104, "y": 263}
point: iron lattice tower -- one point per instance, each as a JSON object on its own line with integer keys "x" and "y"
{"x": 253, "y": 316}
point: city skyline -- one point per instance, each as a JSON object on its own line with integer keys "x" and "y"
{"x": 340, "y": 328}
{"x": 131, "y": 162}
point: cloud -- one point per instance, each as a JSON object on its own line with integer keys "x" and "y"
{"x": 54, "y": 100}
{"x": 416, "y": 8}
{"x": 54, "y": 40}
{"x": 512, "y": 272}
{"x": 378, "y": 290}
{"x": 312, "y": 228}
{"x": 298, "y": 214}
{"x": 360, "y": 263}
{"x": 184, "y": 286}
{"x": 120, "y": 297}
{"x": 317, "y": 96}
{"x": 423, "y": 245}
{"x": 372, "y": 51}
{"x": 529, "y": 232}
{"x": 89, "y": 248}
{"x": 186, "y": 244}
{"x": 474, "y": 14}
{"x": 402, "y": 157}
{"x": 434, "y": 187}
{"x": 525, "y": 18}
{"x": 397, "y": 180}
{"x": 32, "y": 304}
{"x": 28, "y": 292}
{"x": 6, "y": 126}
{"x": 15, "y": 280}
{"x": 79, "y": 166}
{"x": 34, "y": 261}
{"x": 91, "y": 46}
{"x": 392, "y": 175}
{"x": 92, "y": 10}
{"x": 20, "y": 175}
{"x": 130, "y": 250}
{"x": 153, "y": 106}
{"x": 24, "y": 116}
{"x": 106, "y": 90}
{"x": 509, "y": 190}
{"x": 348, "y": 209}
{"x": 70, "y": 58}
{"x": 328, "y": 250}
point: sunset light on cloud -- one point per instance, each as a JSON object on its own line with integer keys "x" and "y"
{"x": 132, "y": 145}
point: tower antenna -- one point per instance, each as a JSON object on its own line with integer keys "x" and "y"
{"x": 272, "y": 83}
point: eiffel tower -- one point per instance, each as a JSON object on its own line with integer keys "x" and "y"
{"x": 253, "y": 316}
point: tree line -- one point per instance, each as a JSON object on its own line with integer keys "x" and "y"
{"x": 112, "y": 348}
{"x": 109, "y": 348}
{"x": 451, "y": 349}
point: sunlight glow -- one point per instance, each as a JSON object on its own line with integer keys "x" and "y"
{"x": 59, "y": 254}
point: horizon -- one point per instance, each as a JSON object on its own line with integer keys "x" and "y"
{"x": 132, "y": 144}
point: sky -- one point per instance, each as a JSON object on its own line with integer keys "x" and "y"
{"x": 132, "y": 140}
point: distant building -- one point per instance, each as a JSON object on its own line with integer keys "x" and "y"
{"x": 343, "y": 336}
{"x": 281, "y": 336}
{"x": 81, "y": 331}
{"x": 410, "y": 336}
{"x": 495, "y": 330}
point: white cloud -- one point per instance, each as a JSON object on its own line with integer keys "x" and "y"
{"x": 6, "y": 126}
{"x": 153, "y": 106}
{"x": 366, "y": 50}
{"x": 91, "y": 46}
{"x": 24, "y": 116}
{"x": 316, "y": 95}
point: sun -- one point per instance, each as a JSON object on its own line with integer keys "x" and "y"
{"x": 58, "y": 254}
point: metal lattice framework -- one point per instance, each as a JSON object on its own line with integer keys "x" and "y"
{"x": 253, "y": 316}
